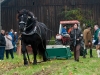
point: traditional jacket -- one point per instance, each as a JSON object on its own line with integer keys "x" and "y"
{"x": 96, "y": 36}
{"x": 87, "y": 36}
{"x": 74, "y": 36}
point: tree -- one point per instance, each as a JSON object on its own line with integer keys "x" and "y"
{"x": 85, "y": 17}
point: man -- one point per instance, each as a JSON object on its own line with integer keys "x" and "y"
{"x": 95, "y": 40}
{"x": 87, "y": 37}
{"x": 15, "y": 40}
{"x": 2, "y": 44}
{"x": 70, "y": 29}
{"x": 76, "y": 38}
{"x": 64, "y": 31}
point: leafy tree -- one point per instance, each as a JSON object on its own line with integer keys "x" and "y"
{"x": 85, "y": 17}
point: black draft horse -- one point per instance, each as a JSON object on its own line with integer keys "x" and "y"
{"x": 32, "y": 33}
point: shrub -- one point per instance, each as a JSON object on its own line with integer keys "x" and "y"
{"x": 52, "y": 41}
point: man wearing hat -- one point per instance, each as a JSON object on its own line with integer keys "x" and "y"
{"x": 87, "y": 37}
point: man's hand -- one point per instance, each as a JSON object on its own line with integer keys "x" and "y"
{"x": 89, "y": 43}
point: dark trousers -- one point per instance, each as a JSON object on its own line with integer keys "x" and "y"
{"x": 14, "y": 49}
{"x": 10, "y": 51}
{"x": 2, "y": 49}
{"x": 76, "y": 52}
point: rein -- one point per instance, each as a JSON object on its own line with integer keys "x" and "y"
{"x": 29, "y": 25}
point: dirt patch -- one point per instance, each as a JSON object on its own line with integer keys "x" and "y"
{"x": 51, "y": 69}
{"x": 4, "y": 67}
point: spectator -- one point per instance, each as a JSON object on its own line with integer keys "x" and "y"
{"x": 64, "y": 31}
{"x": 98, "y": 46}
{"x": 76, "y": 38}
{"x": 70, "y": 29}
{"x": 2, "y": 44}
{"x": 15, "y": 40}
{"x": 9, "y": 46}
{"x": 87, "y": 36}
{"x": 11, "y": 33}
{"x": 95, "y": 40}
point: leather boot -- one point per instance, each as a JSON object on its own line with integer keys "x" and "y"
{"x": 91, "y": 53}
{"x": 84, "y": 53}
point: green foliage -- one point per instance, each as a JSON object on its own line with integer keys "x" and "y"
{"x": 90, "y": 22}
{"x": 52, "y": 41}
{"x": 85, "y": 17}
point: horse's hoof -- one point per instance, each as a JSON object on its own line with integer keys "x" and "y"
{"x": 44, "y": 60}
{"x": 34, "y": 63}
{"x": 26, "y": 63}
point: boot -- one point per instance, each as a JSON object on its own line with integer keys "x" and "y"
{"x": 91, "y": 53}
{"x": 98, "y": 53}
{"x": 84, "y": 53}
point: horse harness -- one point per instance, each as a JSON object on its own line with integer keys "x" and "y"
{"x": 34, "y": 30}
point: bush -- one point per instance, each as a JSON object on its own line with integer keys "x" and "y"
{"x": 52, "y": 41}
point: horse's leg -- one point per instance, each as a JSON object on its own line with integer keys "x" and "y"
{"x": 44, "y": 50}
{"x": 34, "y": 47}
{"x": 23, "y": 52}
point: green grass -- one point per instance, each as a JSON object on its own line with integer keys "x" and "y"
{"x": 86, "y": 66}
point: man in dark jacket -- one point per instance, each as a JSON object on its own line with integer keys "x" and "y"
{"x": 76, "y": 38}
{"x": 2, "y": 44}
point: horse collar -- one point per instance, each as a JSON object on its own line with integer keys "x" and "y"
{"x": 33, "y": 31}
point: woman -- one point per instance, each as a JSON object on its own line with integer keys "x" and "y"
{"x": 9, "y": 46}
{"x": 76, "y": 38}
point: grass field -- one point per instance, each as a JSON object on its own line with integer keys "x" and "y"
{"x": 86, "y": 66}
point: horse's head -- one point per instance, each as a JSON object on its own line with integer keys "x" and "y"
{"x": 25, "y": 19}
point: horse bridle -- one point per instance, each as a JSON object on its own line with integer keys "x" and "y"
{"x": 27, "y": 26}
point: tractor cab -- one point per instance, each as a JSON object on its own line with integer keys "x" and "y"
{"x": 65, "y": 40}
